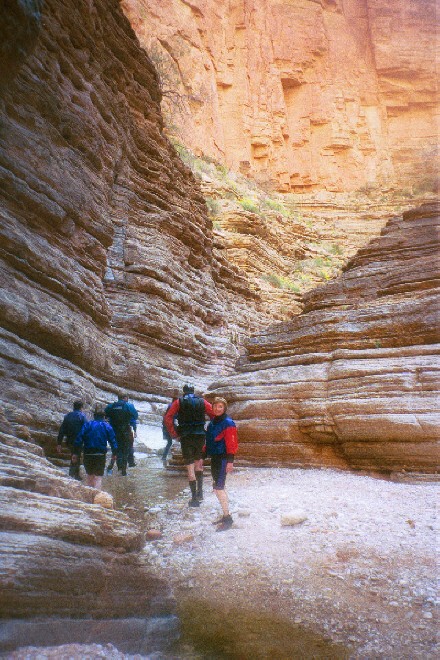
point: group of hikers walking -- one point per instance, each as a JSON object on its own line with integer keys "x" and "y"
{"x": 184, "y": 420}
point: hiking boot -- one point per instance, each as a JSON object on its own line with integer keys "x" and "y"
{"x": 132, "y": 464}
{"x": 218, "y": 521}
{"x": 199, "y": 488}
{"x": 109, "y": 470}
{"x": 225, "y": 524}
{"x": 193, "y": 502}
{"x": 124, "y": 472}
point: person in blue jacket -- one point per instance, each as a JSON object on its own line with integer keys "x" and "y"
{"x": 92, "y": 440}
{"x": 221, "y": 446}
{"x": 69, "y": 429}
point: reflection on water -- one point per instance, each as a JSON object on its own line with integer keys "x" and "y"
{"x": 145, "y": 486}
{"x": 215, "y": 632}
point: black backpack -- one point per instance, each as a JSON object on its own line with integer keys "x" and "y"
{"x": 191, "y": 412}
{"x": 119, "y": 415}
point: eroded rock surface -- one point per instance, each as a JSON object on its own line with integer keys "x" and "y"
{"x": 57, "y": 547}
{"x": 108, "y": 278}
{"x": 329, "y": 95}
{"x": 354, "y": 380}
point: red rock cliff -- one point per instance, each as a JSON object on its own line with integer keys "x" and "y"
{"x": 307, "y": 95}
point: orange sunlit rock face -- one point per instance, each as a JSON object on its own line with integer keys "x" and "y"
{"x": 302, "y": 95}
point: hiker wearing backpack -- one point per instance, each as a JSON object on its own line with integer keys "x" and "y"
{"x": 92, "y": 440}
{"x": 119, "y": 415}
{"x": 69, "y": 429}
{"x": 191, "y": 411}
{"x": 133, "y": 424}
{"x": 221, "y": 446}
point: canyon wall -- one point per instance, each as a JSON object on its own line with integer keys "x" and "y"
{"x": 303, "y": 95}
{"x": 354, "y": 380}
{"x": 108, "y": 279}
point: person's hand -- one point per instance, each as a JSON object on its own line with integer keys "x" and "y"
{"x": 229, "y": 467}
{"x": 113, "y": 457}
{"x": 58, "y": 449}
{"x": 74, "y": 458}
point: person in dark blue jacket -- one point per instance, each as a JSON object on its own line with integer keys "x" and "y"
{"x": 92, "y": 440}
{"x": 120, "y": 415}
{"x": 69, "y": 429}
{"x": 221, "y": 446}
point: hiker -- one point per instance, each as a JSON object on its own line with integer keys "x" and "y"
{"x": 221, "y": 447}
{"x": 166, "y": 436}
{"x": 133, "y": 424}
{"x": 69, "y": 429}
{"x": 93, "y": 439}
{"x": 120, "y": 414}
{"x": 190, "y": 411}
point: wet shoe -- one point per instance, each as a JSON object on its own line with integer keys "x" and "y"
{"x": 194, "y": 503}
{"x": 218, "y": 521}
{"x": 124, "y": 473}
{"x": 199, "y": 497}
{"x": 225, "y": 524}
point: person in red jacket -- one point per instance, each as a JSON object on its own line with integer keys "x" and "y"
{"x": 191, "y": 411}
{"x": 221, "y": 447}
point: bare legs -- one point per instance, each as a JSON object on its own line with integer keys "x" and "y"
{"x": 222, "y": 497}
{"x": 93, "y": 481}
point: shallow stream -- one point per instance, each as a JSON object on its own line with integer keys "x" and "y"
{"x": 199, "y": 630}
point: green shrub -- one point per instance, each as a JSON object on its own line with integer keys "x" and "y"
{"x": 336, "y": 249}
{"x": 281, "y": 282}
{"x": 249, "y": 205}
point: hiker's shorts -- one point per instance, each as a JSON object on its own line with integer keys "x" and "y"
{"x": 192, "y": 448}
{"x": 218, "y": 471}
{"x": 94, "y": 464}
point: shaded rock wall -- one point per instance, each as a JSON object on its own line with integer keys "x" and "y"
{"x": 107, "y": 273}
{"x": 354, "y": 380}
{"x": 57, "y": 547}
{"x": 305, "y": 95}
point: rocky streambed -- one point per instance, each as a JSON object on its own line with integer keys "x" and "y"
{"x": 351, "y": 576}
{"x": 355, "y": 579}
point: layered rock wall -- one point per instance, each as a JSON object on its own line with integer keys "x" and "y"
{"x": 354, "y": 380}
{"x": 107, "y": 275}
{"x": 57, "y": 547}
{"x": 305, "y": 96}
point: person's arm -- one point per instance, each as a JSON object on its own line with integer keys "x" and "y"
{"x": 231, "y": 442}
{"x": 61, "y": 432}
{"x": 208, "y": 409}
{"x": 169, "y": 418}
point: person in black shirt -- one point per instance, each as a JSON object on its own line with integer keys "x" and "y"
{"x": 69, "y": 429}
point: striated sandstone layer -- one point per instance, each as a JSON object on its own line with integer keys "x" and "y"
{"x": 303, "y": 95}
{"x": 57, "y": 547}
{"x": 108, "y": 279}
{"x": 354, "y": 380}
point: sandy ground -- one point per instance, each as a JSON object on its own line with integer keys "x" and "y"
{"x": 360, "y": 570}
